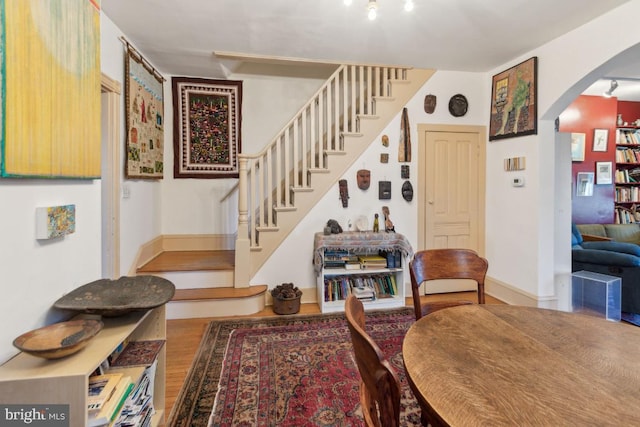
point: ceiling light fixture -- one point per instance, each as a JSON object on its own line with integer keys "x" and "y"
{"x": 614, "y": 85}
{"x": 372, "y": 10}
{"x": 408, "y": 5}
{"x": 372, "y": 7}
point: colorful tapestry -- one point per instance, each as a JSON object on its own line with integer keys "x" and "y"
{"x": 50, "y": 88}
{"x": 206, "y": 127}
{"x": 145, "y": 118}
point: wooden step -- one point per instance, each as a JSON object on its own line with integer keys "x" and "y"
{"x": 218, "y": 293}
{"x": 190, "y": 261}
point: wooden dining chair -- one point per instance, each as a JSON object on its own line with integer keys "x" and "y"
{"x": 379, "y": 384}
{"x": 434, "y": 264}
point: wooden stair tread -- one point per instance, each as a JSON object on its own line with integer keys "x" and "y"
{"x": 190, "y": 261}
{"x": 218, "y": 293}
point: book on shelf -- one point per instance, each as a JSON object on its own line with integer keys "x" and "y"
{"x": 111, "y": 408}
{"x": 101, "y": 388}
{"x": 352, "y": 266}
{"x": 372, "y": 261}
{"x": 363, "y": 293}
{"x": 138, "y": 408}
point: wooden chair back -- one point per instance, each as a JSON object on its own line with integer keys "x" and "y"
{"x": 434, "y": 264}
{"x": 379, "y": 384}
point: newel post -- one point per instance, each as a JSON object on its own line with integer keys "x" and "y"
{"x": 243, "y": 244}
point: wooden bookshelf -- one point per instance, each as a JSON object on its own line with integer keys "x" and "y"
{"x": 30, "y": 380}
{"x": 334, "y": 283}
{"x": 627, "y": 173}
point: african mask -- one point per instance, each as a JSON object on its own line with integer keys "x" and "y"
{"x": 364, "y": 179}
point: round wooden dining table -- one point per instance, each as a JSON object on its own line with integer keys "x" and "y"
{"x": 503, "y": 365}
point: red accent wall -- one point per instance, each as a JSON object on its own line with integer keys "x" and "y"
{"x": 584, "y": 115}
{"x": 630, "y": 111}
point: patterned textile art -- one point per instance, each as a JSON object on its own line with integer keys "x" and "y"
{"x": 206, "y": 127}
{"x": 139, "y": 353}
{"x": 287, "y": 371}
{"x": 145, "y": 118}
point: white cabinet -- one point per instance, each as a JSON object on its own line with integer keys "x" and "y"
{"x": 334, "y": 284}
{"x": 27, "y": 379}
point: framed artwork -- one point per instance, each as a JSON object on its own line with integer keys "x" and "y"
{"x": 514, "y": 101}
{"x": 49, "y": 85}
{"x": 584, "y": 184}
{"x": 144, "y": 102}
{"x": 577, "y": 147}
{"x": 206, "y": 127}
{"x": 603, "y": 173}
{"x": 600, "y": 139}
{"x": 55, "y": 221}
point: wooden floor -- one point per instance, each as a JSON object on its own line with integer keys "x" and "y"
{"x": 184, "y": 335}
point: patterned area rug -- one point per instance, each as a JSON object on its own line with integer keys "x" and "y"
{"x": 287, "y": 371}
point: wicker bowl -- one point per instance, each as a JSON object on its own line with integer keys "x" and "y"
{"x": 286, "y": 305}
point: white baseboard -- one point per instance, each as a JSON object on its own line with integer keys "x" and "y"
{"x": 514, "y": 296}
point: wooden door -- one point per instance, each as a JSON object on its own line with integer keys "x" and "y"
{"x": 451, "y": 188}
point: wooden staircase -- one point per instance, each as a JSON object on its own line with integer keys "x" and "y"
{"x": 278, "y": 187}
{"x": 204, "y": 284}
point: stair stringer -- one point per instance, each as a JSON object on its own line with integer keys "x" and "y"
{"x": 386, "y": 109}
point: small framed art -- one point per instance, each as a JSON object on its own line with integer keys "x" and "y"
{"x": 577, "y": 147}
{"x": 603, "y": 173}
{"x": 600, "y": 137}
{"x": 584, "y": 184}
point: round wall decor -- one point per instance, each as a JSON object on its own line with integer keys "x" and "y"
{"x": 458, "y": 105}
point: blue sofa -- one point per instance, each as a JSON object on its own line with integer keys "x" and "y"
{"x": 619, "y": 259}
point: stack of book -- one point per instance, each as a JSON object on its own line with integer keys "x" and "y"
{"x": 335, "y": 259}
{"x": 138, "y": 408}
{"x": 364, "y": 293}
{"x": 107, "y": 394}
{"x": 372, "y": 261}
{"x": 115, "y": 400}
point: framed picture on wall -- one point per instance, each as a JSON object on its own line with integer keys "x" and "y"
{"x": 584, "y": 184}
{"x": 514, "y": 105}
{"x": 603, "y": 173}
{"x": 577, "y": 146}
{"x": 600, "y": 137}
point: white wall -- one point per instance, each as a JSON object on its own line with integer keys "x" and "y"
{"x": 35, "y": 273}
{"x": 299, "y": 245}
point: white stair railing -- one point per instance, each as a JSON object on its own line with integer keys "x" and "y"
{"x": 268, "y": 178}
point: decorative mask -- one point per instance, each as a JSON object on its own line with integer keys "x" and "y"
{"x": 364, "y": 179}
{"x": 429, "y": 104}
{"x": 407, "y": 191}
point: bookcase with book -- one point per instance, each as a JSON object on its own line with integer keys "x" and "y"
{"x": 627, "y": 174}
{"x": 118, "y": 379}
{"x": 371, "y": 270}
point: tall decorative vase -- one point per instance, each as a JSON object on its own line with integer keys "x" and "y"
{"x": 620, "y": 122}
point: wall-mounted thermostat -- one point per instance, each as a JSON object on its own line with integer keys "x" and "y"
{"x": 518, "y": 182}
